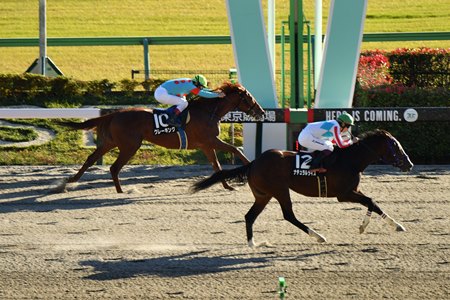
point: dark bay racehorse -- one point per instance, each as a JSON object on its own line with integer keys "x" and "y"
{"x": 126, "y": 129}
{"x": 273, "y": 174}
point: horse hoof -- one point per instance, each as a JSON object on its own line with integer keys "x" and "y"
{"x": 320, "y": 238}
{"x": 230, "y": 188}
{"x": 60, "y": 186}
{"x": 400, "y": 228}
{"x": 361, "y": 229}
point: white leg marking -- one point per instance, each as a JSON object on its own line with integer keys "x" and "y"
{"x": 365, "y": 222}
{"x": 397, "y": 226}
{"x": 320, "y": 238}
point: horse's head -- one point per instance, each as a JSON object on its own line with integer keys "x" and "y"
{"x": 242, "y": 100}
{"x": 392, "y": 152}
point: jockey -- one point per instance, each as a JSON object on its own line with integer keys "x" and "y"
{"x": 321, "y": 135}
{"x": 174, "y": 92}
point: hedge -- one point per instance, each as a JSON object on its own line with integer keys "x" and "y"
{"x": 408, "y": 78}
{"x": 33, "y": 89}
{"x": 422, "y": 67}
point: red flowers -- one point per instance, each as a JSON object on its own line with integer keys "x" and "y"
{"x": 373, "y": 69}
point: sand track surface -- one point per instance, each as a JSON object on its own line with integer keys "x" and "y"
{"x": 158, "y": 241}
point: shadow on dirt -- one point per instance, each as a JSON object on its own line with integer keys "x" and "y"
{"x": 189, "y": 264}
{"x": 32, "y": 191}
{"x": 32, "y": 204}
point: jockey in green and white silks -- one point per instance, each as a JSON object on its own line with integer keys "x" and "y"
{"x": 322, "y": 136}
{"x": 174, "y": 92}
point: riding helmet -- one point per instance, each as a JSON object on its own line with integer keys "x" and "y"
{"x": 346, "y": 118}
{"x": 200, "y": 80}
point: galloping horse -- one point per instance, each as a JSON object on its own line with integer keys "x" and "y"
{"x": 275, "y": 172}
{"x": 126, "y": 129}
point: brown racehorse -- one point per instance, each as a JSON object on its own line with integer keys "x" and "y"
{"x": 274, "y": 173}
{"x": 126, "y": 129}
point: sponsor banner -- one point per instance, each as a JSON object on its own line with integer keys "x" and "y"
{"x": 384, "y": 114}
{"x": 272, "y": 115}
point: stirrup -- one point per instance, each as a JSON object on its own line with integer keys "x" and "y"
{"x": 316, "y": 163}
{"x": 173, "y": 120}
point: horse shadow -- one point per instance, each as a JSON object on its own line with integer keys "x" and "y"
{"x": 194, "y": 263}
{"x": 32, "y": 204}
{"x": 34, "y": 198}
{"x": 28, "y": 192}
{"x": 144, "y": 174}
{"x": 188, "y": 264}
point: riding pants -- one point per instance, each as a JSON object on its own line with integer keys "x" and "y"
{"x": 311, "y": 142}
{"x": 162, "y": 96}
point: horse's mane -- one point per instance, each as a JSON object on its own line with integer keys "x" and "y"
{"x": 373, "y": 133}
{"x": 366, "y": 136}
{"x": 226, "y": 87}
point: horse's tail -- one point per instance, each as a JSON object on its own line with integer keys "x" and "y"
{"x": 237, "y": 173}
{"x": 86, "y": 125}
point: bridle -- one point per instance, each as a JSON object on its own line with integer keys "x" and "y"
{"x": 243, "y": 97}
{"x": 398, "y": 161}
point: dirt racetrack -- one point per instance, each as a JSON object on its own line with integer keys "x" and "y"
{"x": 158, "y": 241}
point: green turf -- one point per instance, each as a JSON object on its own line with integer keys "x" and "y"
{"x": 91, "y": 18}
{"x": 12, "y": 134}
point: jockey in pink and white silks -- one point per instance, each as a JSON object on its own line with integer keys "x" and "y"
{"x": 321, "y": 136}
{"x": 174, "y": 92}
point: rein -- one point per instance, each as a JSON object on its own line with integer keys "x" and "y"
{"x": 241, "y": 98}
{"x": 213, "y": 114}
{"x": 397, "y": 159}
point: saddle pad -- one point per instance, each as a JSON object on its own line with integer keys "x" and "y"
{"x": 302, "y": 164}
{"x": 160, "y": 117}
{"x": 160, "y": 126}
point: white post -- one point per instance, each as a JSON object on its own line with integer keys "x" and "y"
{"x": 271, "y": 31}
{"x": 42, "y": 36}
{"x": 317, "y": 41}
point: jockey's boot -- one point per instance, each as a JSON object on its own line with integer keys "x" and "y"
{"x": 173, "y": 119}
{"x": 317, "y": 162}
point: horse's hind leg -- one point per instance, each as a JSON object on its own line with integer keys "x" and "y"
{"x": 372, "y": 206}
{"x": 94, "y": 157}
{"x": 252, "y": 214}
{"x": 124, "y": 156}
{"x": 286, "y": 206}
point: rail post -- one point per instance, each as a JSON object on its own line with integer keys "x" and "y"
{"x": 146, "y": 60}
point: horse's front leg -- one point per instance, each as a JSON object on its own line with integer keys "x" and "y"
{"x": 358, "y": 197}
{"x": 212, "y": 158}
{"x": 223, "y": 146}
